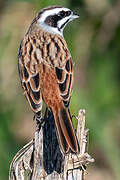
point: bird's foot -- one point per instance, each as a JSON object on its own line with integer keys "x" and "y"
{"x": 39, "y": 122}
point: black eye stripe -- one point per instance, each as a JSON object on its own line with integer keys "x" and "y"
{"x": 68, "y": 13}
{"x": 64, "y": 13}
{"x": 52, "y": 20}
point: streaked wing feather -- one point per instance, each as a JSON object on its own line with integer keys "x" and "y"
{"x": 65, "y": 81}
{"x": 29, "y": 75}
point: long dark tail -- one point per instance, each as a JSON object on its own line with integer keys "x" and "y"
{"x": 65, "y": 130}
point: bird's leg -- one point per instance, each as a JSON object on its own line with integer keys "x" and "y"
{"x": 39, "y": 120}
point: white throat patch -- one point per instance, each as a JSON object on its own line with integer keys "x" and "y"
{"x": 50, "y": 29}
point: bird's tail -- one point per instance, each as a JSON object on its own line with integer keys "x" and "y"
{"x": 65, "y": 131}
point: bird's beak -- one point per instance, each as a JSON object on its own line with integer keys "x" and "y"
{"x": 74, "y": 15}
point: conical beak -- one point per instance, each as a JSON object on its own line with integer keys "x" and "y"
{"x": 75, "y": 15}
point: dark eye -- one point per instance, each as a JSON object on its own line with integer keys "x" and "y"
{"x": 62, "y": 13}
{"x": 68, "y": 13}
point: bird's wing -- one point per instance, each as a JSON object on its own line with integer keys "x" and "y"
{"x": 60, "y": 59}
{"x": 63, "y": 120}
{"x": 28, "y": 66}
{"x": 65, "y": 81}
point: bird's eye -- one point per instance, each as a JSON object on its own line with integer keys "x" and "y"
{"x": 68, "y": 13}
{"x": 62, "y": 13}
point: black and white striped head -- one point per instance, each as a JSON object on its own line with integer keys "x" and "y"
{"x": 53, "y": 19}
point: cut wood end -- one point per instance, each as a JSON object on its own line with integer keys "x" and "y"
{"x": 81, "y": 112}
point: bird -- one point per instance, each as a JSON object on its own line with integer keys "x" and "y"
{"x": 46, "y": 70}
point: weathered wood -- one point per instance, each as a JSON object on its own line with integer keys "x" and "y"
{"x": 75, "y": 165}
{"x": 42, "y": 157}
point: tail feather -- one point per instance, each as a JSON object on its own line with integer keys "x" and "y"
{"x": 65, "y": 130}
{"x": 63, "y": 143}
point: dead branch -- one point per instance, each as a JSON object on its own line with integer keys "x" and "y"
{"x": 42, "y": 158}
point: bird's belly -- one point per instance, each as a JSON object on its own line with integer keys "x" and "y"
{"x": 49, "y": 87}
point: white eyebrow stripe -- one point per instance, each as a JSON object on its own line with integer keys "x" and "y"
{"x": 51, "y": 12}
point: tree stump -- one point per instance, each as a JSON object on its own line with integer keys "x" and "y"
{"x": 42, "y": 159}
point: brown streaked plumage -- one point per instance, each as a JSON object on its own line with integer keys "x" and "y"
{"x": 46, "y": 72}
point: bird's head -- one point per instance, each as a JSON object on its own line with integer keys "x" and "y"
{"x": 53, "y": 19}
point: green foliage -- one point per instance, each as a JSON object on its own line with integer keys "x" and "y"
{"x": 8, "y": 144}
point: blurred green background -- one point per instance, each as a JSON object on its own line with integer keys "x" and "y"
{"x": 94, "y": 42}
